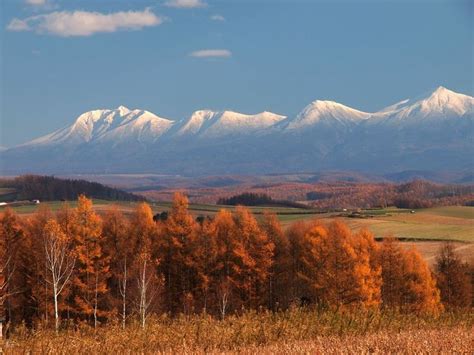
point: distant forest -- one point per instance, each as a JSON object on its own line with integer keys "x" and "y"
{"x": 412, "y": 195}
{"x": 49, "y": 188}
{"x": 253, "y": 199}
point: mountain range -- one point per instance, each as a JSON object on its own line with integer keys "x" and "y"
{"x": 431, "y": 132}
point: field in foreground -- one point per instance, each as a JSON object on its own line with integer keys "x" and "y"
{"x": 295, "y": 331}
{"x": 456, "y": 340}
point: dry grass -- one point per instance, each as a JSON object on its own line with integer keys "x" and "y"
{"x": 457, "y": 340}
{"x": 295, "y": 331}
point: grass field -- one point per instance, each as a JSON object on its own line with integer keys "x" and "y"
{"x": 440, "y": 223}
{"x": 296, "y": 331}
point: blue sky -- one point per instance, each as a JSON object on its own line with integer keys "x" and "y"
{"x": 62, "y": 58}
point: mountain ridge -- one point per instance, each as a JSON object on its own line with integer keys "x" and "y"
{"x": 425, "y": 132}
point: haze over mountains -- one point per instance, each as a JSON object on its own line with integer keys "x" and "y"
{"x": 432, "y": 132}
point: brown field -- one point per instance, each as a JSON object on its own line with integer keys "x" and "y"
{"x": 297, "y": 331}
{"x": 434, "y": 341}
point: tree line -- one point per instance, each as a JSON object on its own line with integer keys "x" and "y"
{"x": 412, "y": 195}
{"x": 76, "y": 266}
{"x": 254, "y": 199}
{"x": 50, "y": 188}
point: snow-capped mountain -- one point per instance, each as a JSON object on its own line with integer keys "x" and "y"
{"x": 212, "y": 124}
{"x": 120, "y": 124}
{"x": 439, "y": 105}
{"x": 326, "y": 113}
{"x": 432, "y": 131}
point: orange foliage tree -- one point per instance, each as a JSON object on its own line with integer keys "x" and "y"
{"x": 407, "y": 280}
{"x": 134, "y": 266}
{"x": 279, "y": 275}
{"x": 12, "y": 278}
{"x": 93, "y": 266}
{"x": 453, "y": 278}
{"x": 119, "y": 246}
{"x": 175, "y": 246}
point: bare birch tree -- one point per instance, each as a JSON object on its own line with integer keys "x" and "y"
{"x": 60, "y": 262}
{"x": 6, "y": 272}
{"x": 147, "y": 286}
{"x": 123, "y": 292}
{"x": 223, "y": 295}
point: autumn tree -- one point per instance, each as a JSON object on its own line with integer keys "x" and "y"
{"x": 301, "y": 260}
{"x": 93, "y": 266}
{"x": 453, "y": 278}
{"x": 257, "y": 257}
{"x": 342, "y": 274}
{"x": 177, "y": 262}
{"x": 368, "y": 267}
{"x": 7, "y": 266}
{"x": 278, "y": 281}
{"x": 204, "y": 254}
{"x": 119, "y": 245}
{"x": 37, "y": 291}
{"x": 407, "y": 280}
{"x": 226, "y": 270}
{"x": 144, "y": 280}
{"x": 11, "y": 277}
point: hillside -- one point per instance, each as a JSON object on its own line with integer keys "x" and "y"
{"x": 49, "y": 188}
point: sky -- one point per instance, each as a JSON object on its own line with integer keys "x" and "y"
{"x": 60, "y": 58}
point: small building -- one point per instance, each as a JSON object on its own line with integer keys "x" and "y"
{"x": 36, "y": 202}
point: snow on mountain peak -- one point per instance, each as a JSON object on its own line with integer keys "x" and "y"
{"x": 326, "y": 112}
{"x": 438, "y": 104}
{"x": 230, "y": 123}
{"x": 124, "y": 126}
{"x": 196, "y": 122}
{"x": 123, "y": 110}
{"x": 209, "y": 123}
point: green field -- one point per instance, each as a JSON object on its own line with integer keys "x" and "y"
{"x": 439, "y": 223}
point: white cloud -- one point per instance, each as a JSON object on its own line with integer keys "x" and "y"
{"x": 211, "y": 53}
{"x": 185, "y": 4}
{"x": 83, "y": 23}
{"x": 36, "y": 2}
{"x": 218, "y": 18}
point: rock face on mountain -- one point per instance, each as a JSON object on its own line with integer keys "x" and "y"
{"x": 430, "y": 132}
